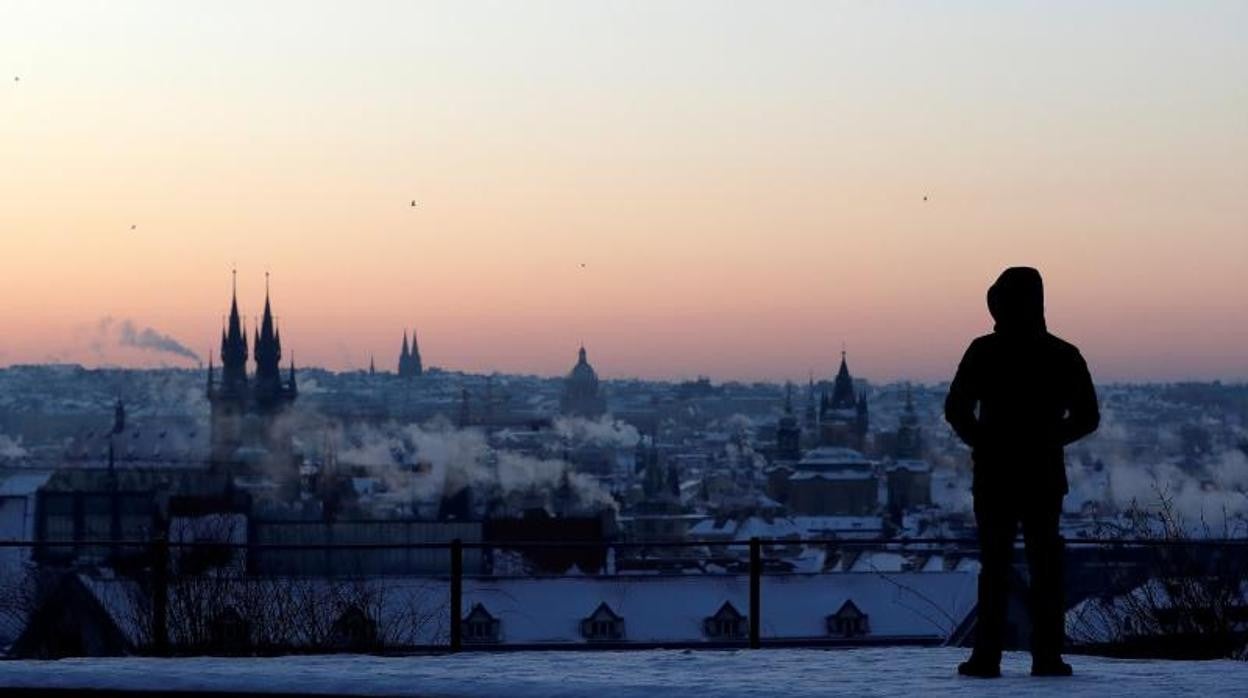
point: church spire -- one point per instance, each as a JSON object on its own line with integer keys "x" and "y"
{"x": 268, "y": 352}
{"x": 415, "y": 367}
{"x": 404, "y": 356}
{"x": 233, "y": 345}
{"x": 843, "y": 392}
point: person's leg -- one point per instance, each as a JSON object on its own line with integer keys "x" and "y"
{"x": 997, "y": 525}
{"x": 1045, "y": 553}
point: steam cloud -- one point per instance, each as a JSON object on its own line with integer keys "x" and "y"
{"x": 458, "y": 458}
{"x": 125, "y": 333}
{"x": 10, "y": 447}
{"x": 1215, "y": 494}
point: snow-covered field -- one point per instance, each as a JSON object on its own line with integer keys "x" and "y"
{"x": 643, "y": 674}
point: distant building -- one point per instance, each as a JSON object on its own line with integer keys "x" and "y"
{"x": 788, "y": 432}
{"x": 582, "y": 394}
{"x": 245, "y": 425}
{"x": 908, "y": 443}
{"x": 410, "y": 365}
{"x": 909, "y": 484}
{"x": 843, "y": 415}
{"x": 828, "y": 482}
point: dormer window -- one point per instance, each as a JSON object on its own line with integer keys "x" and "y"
{"x": 479, "y": 627}
{"x": 603, "y": 625}
{"x": 849, "y": 621}
{"x": 726, "y": 624}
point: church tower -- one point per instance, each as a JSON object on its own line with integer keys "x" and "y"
{"x": 245, "y": 411}
{"x": 404, "y": 356}
{"x": 415, "y": 367}
{"x": 409, "y": 359}
{"x": 909, "y": 444}
{"x": 229, "y": 397}
{"x": 788, "y": 431}
{"x": 843, "y": 415}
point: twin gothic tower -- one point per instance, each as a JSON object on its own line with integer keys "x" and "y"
{"x": 248, "y": 423}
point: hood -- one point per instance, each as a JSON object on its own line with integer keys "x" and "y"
{"x": 1016, "y": 301}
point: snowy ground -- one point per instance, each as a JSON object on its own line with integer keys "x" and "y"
{"x": 642, "y": 674}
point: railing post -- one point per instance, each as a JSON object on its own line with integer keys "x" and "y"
{"x": 160, "y": 595}
{"x": 457, "y": 593}
{"x": 756, "y": 582}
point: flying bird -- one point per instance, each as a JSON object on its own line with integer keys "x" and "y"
{"x": 413, "y": 203}
{"x": 925, "y": 198}
{"x": 132, "y": 226}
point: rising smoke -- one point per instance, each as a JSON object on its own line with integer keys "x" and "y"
{"x": 125, "y": 333}
{"x": 422, "y": 463}
{"x": 10, "y": 447}
{"x": 1212, "y": 494}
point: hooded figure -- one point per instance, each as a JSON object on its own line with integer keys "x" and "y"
{"x": 1020, "y": 395}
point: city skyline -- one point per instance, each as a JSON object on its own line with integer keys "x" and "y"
{"x": 683, "y": 191}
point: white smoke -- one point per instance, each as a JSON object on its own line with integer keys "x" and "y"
{"x": 125, "y": 333}
{"x": 10, "y": 447}
{"x": 424, "y": 462}
{"x": 1212, "y": 495}
{"x": 603, "y": 431}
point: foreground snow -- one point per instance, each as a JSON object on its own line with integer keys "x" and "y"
{"x": 644, "y": 674}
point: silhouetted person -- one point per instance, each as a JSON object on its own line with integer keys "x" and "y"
{"x": 1020, "y": 395}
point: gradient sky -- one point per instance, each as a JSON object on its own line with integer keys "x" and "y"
{"x": 743, "y": 182}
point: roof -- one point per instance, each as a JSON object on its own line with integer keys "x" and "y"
{"x": 533, "y": 611}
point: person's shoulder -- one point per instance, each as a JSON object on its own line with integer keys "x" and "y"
{"x": 984, "y": 340}
{"x": 1062, "y": 347}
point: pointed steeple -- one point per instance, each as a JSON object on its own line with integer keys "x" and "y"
{"x": 414, "y": 364}
{"x": 404, "y": 356}
{"x": 268, "y": 354}
{"x": 843, "y": 392}
{"x": 233, "y": 346}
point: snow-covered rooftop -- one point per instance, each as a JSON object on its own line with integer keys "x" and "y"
{"x": 800, "y": 673}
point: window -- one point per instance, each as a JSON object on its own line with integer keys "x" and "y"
{"x": 603, "y": 625}
{"x": 726, "y": 624}
{"x": 479, "y": 626}
{"x": 849, "y": 621}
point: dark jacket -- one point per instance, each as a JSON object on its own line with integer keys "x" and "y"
{"x": 1020, "y": 394}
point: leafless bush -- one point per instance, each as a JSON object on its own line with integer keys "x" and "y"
{"x": 1191, "y": 603}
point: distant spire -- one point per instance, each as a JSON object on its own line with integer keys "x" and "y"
{"x": 415, "y": 366}
{"x": 404, "y": 355}
{"x": 233, "y": 344}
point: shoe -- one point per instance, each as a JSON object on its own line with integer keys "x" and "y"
{"x": 979, "y": 669}
{"x": 1051, "y": 667}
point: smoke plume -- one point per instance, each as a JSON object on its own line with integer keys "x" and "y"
{"x": 128, "y": 334}
{"x": 451, "y": 459}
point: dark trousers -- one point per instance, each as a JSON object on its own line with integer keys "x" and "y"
{"x": 998, "y": 518}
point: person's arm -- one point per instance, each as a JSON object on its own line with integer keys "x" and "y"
{"x": 962, "y": 398}
{"x": 1083, "y": 415}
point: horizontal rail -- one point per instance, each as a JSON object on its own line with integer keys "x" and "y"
{"x": 563, "y": 545}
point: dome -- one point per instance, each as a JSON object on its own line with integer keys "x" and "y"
{"x": 582, "y": 372}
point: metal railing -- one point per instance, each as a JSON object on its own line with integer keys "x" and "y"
{"x": 159, "y": 554}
